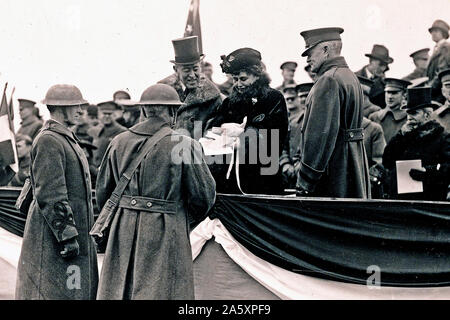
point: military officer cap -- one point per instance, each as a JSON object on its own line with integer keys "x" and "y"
{"x": 440, "y": 25}
{"x": 25, "y": 103}
{"x": 290, "y": 65}
{"x": 24, "y": 137}
{"x": 240, "y": 59}
{"x": 444, "y": 76}
{"x": 315, "y": 36}
{"x": 393, "y": 84}
{"x": 109, "y": 106}
{"x": 304, "y": 88}
{"x": 420, "y": 54}
{"x": 419, "y": 98}
{"x": 123, "y": 98}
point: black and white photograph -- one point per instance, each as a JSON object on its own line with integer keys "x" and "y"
{"x": 243, "y": 151}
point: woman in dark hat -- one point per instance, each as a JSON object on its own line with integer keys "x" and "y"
{"x": 261, "y": 135}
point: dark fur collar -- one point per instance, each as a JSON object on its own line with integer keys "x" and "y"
{"x": 207, "y": 90}
{"x": 426, "y": 130}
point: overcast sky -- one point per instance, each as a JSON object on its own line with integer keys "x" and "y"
{"x": 105, "y": 45}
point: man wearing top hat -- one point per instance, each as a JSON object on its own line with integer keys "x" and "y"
{"x": 379, "y": 61}
{"x": 199, "y": 95}
{"x": 30, "y": 124}
{"x": 104, "y": 133}
{"x": 333, "y": 161}
{"x": 442, "y": 115}
{"x": 58, "y": 259}
{"x": 287, "y": 72}
{"x": 420, "y": 59}
{"x": 392, "y": 117}
{"x": 440, "y": 58}
{"x": 420, "y": 139}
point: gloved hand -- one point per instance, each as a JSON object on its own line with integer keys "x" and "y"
{"x": 71, "y": 249}
{"x": 288, "y": 171}
{"x": 429, "y": 172}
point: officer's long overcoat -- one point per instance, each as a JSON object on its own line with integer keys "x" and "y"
{"x": 61, "y": 209}
{"x": 148, "y": 255}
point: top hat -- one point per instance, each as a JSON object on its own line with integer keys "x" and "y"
{"x": 393, "y": 84}
{"x": 315, "y": 36}
{"x": 419, "y": 98}
{"x": 291, "y": 65}
{"x": 420, "y": 54}
{"x": 380, "y": 52}
{"x": 108, "y": 106}
{"x": 440, "y": 25}
{"x": 304, "y": 88}
{"x": 25, "y": 103}
{"x": 240, "y": 59}
{"x": 186, "y": 51}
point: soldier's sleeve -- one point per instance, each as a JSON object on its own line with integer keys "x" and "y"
{"x": 378, "y": 143}
{"x": 49, "y": 166}
{"x": 199, "y": 187}
{"x": 320, "y": 132}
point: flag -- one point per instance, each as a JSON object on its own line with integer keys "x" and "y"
{"x": 11, "y": 110}
{"x": 8, "y": 153}
{"x": 193, "y": 27}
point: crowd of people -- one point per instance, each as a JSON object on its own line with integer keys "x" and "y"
{"x": 340, "y": 135}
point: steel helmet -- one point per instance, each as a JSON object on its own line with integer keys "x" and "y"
{"x": 64, "y": 95}
{"x": 160, "y": 94}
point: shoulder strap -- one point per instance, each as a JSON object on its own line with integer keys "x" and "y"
{"x": 129, "y": 171}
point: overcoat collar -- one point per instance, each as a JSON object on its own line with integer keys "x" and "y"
{"x": 338, "y": 62}
{"x": 397, "y": 113}
{"x": 57, "y": 127}
{"x": 206, "y": 91}
{"x": 149, "y": 127}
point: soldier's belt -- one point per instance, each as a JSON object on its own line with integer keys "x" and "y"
{"x": 353, "y": 134}
{"x": 148, "y": 204}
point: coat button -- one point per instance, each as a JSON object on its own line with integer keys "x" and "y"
{"x": 133, "y": 202}
{"x": 351, "y": 134}
{"x": 149, "y": 204}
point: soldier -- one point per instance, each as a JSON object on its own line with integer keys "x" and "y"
{"x": 368, "y": 107}
{"x": 291, "y": 153}
{"x": 420, "y": 58}
{"x": 131, "y": 112}
{"x": 148, "y": 255}
{"x": 58, "y": 257}
{"x": 107, "y": 131}
{"x": 440, "y": 58}
{"x": 333, "y": 161}
{"x": 23, "y": 144}
{"x": 92, "y": 115}
{"x": 442, "y": 115}
{"x": 420, "y": 138}
{"x": 392, "y": 117}
{"x": 288, "y": 69}
{"x": 30, "y": 124}
{"x": 199, "y": 95}
{"x": 82, "y": 125}
{"x": 379, "y": 61}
